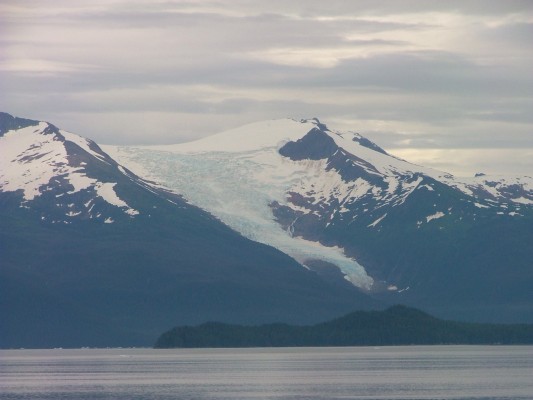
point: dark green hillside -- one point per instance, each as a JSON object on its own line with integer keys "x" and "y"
{"x": 398, "y": 325}
{"x": 93, "y": 284}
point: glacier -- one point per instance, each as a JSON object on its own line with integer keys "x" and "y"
{"x": 237, "y": 175}
{"x": 238, "y": 185}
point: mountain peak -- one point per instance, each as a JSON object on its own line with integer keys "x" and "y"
{"x": 315, "y": 145}
{"x": 316, "y": 122}
{"x": 8, "y": 122}
{"x": 353, "y": 136}
{"x": 46, "y": 165}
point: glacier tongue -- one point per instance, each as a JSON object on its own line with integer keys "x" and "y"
{"x": 238, "y": 187}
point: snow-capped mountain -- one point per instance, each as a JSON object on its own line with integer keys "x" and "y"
{"x": 107, "y": 246}
{"x": 398, "y": 230}
{"x": 93, "y": 255}
{"x": 49, "y": 165}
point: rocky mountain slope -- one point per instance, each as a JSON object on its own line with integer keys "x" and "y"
{"x": 342, "y": 206}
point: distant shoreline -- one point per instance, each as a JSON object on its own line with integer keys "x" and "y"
{"x": 395, "y": 326}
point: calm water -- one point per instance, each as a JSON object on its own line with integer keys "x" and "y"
{"x": 414, "y": 372}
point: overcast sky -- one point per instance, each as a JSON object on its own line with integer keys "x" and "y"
{"x": 447, "y": 84}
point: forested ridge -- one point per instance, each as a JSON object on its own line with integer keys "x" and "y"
{"x": 397, "y": 325}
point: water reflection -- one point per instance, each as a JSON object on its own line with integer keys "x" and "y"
{"x": 413, "y": 372}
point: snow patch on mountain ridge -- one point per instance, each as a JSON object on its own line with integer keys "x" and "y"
{"x": 33, "y": 157}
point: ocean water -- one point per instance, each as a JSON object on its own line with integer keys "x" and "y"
{"x": 407, "y": 372}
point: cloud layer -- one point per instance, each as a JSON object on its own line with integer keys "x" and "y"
{"x": 447, "y": 83}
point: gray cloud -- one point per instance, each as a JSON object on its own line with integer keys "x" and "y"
{"x": 395, "y": 7}
{"x": 409, "y": 74}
